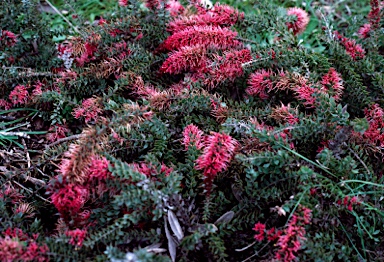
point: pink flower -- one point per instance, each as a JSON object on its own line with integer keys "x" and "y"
{"x": 99, "y": 168}
{"x": 123, "y": 2}
{"x": 353, "y": 50}
{"x": 69, "y": 199}
{"x": 77, "y": 236}
{"x": 289, "y": 242}
{"x": 192, "y": 136}
{"x": 187, "y": 59}
{"x": 208, "y": 36}
{"x": 5, "y": 104}
{"x": 301, "y": 22}
{"x": 332, "y": 82}
{"x": 305, "y": 93}
{"x": 218, "y": 152}
{"x": 220, "y": 15}
{"x": 19, "y": 95}
{"x": 174, "y": 7}
{"x": 229, "y": 67}
{"x": 260, "y": 83}
{"x": 260, "y": 231}
{"x": 374, "y": 15}
{"x": 90, "y": 109}
{"x": 364, "y": 31}
{"x": 283, "y": 114}
{"x": 56, "y": 132}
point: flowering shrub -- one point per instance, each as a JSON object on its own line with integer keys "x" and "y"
{"x": 190, "y": 131}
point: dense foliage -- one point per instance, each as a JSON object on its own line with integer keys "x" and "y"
{"x": 191, "y": 131}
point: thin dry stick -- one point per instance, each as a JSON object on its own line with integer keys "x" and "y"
{"x": 61, "y": 140}
{"x": 30, "y": 191}
{"x": 61, "y": 15}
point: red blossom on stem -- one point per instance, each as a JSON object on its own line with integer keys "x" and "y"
{"x": 374, "y": 15}
{"x": 99, "y": 168}
{"x": 260, "y": 231}
{"x": 18, "y": 246}
{"x": 220, "y": 15}
{"x": 8, "y": 37}
{"x": 19, "y": 95}
{"x": 189, "y": 58}
{"x": 332, "y": 82}
{"x": 69, "y": 199}
{"x": 123, "y": 2}
{"x": 353, "y": 50}
{"x": 5, "y": 104}
{"x": 174, "y": 7}
{"x": 260, "y": 83}
{"x": 305, "y": 93}
{"x": 56, "y": 132}
{"x": 208, "y": 36}
{"x": 301, "y": 20}
{"x": 283, "y": 114}
{"x": 77, "y": 236}
{"x": 364, "y": 31}
{"x": 229, "y": 67}
{"x": 90, "y": 109}
{"x": 192, "y": 136}
{"x": 218, "y": 152}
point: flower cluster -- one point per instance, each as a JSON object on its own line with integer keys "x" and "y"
{"x": 9, "y": 38}
{"x": 332, "y": 83}
{"x": 19, "y": 95}
{"x": 353, "y": 50}
{"x": 219, "y": 148}
{"x": 349, "y": 202}
{"x": 289, "y": 242}
{"x": 193, "y": 136}
{"x": 301, "y": 20}
{"x": 57, "y": 132}
{"x": 18, "y": 246}
{"x": 77, "y": 236}
{"x": 90, "y": 110}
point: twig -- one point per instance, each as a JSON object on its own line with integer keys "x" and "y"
{"x": 61, "y": 140}
{"x": 247, "y": 40}
{"x": 361, "y": 161}
{"x": 256, "y": 252}
{"x": 61, "y": 15}
{"x": 30, "y": 191}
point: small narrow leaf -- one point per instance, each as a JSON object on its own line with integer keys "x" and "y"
{"x": 225, "y": 218}
{"x": 171, "y": 242}
{"x": 175, "y": 225}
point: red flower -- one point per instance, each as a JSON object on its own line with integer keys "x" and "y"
{"x": 123, "y": 2}
{"x": 374, "y": 15}
{"x": 260, "y": 83}
{"x": 77, "y": 236}
{"x": 174, "y": 7}
{"x": 289, "y": 242}
{"x": 19, "y": 95}
{"x": 332, "y": 82}
{"x": 229, "y": 67}
{"x": 301, "y": 22}
{"x": 90, "y": 109}
{"x": 218, "y": 152}
{"x": 56, "y": 132}
{"x": 305, "y": 93}
{"x": 208, "y": 36}
{"x": 189, "y": 59}
{"x": 99, "y": 168}
{"x": 5, "y": 104}
{"x": 192, "y": 136}
{"x": 9, "y": 38}
{"x": 260, "y": 231}
{"x": 364, "y": 31}
{"x": 354, "y": 50}
{"x": 69, "y": 199}
{"x": 273, "y": 234}
{"x": 220, "y": 15}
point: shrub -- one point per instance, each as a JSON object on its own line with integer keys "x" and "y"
{"x": 190, "y": 131}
